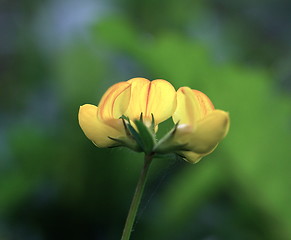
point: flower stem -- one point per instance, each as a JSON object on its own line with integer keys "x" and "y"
{"x": 136, "y": 198}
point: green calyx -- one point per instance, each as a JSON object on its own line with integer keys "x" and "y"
{"x": 167, "y": 144}
{"x": 141, "y": 137}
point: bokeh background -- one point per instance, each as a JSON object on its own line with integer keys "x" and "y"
{"x": 57, "y": 55}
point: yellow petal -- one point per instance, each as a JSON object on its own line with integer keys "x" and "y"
{"x": 114, "y": 102}
{"x": 208, "y": 132}
{"x": 121, "y": 103}
{"x": 156, "y": 97}
{"x": 95, "y": 129}
{"x": 161, "y": 100}
{"x": 191, "y": 157}
{"x": 192, "y": 106}
{"x": 138, "y": 99}
{"x": 205, "y": 104}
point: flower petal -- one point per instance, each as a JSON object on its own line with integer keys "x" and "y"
{"x": 138, "y": 99}
{"x": 115, "y": 101}
{"x": 191, "y": 157}
{"x": 206, "y": 106}
{"x": 161, "y": 100}
{"x": 156, "y": 97}
{"x": 209, "y": 132}
{"x": 192, "y": 106}
{"x": 96, "y": 130}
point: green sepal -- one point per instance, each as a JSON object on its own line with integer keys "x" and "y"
{"x": 135, "y": 135}
{"x": 142, "y": 137}
{"x": 152, "y": 127}
{"x": 167, "y": 145}
{"x": 130, "y": 131}
{"x": 124, "y": 118}
{"x": 146, "y": 137}
{"x": 127, "y": 142}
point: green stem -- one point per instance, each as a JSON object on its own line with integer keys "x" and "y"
{"x": 136, "y": 198}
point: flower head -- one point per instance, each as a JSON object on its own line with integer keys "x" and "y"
{"x": 129, "y": 112}
{"x": 103, "y": 124}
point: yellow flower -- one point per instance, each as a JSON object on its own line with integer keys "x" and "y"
{"x": 200, "y": 125}
{"x": 131, "y": 99}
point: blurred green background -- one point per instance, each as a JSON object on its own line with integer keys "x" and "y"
{"x": 57, "y": 55}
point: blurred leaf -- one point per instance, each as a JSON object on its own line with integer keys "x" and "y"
{"x": 78, "y": 71}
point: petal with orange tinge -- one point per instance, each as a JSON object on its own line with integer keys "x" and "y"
{"x": 206, "y": 106}
{"x": 115, "y": 101}
{"x": 138, "y": 99}
{"x": 192, "y": 106}
{"x": 161, "y": 100}
{"x": 156, "y": 97}
{"x": 94, "y": 129}
{"x": 188, "y": 108}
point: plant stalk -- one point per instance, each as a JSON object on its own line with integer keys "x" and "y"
{"x": 136, "y": 198}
